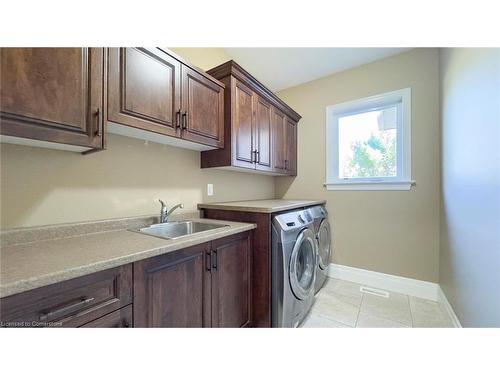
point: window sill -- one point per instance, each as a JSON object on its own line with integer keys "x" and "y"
{"x": 370, "y": 185}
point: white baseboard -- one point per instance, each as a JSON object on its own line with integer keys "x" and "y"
{"x": 398, "y": 284}
{"x": 444, "y": 301}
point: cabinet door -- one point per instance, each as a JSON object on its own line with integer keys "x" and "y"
{"x": 291, "y": 148}
{"x": 144, "y": 89}
{"x": 53, "y": 94}
{"x": 263, "y": 134}
{"x": 279, "y": 152}
{"x": 202, "y": 109}
{"x": 173, "y": 290}
{"x": 231, "y": 281}
{"x": 242, "y": 129}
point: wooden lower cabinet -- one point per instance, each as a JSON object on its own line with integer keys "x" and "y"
{"x": 231, "y": 281}
{"x": 260, "y": 281}
{"x": 207, "y": 285}
{"x": 173, "y": 290}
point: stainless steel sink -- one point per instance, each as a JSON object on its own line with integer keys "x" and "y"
{"x": 179, "y": 229}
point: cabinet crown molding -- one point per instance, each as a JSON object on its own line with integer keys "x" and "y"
{"x": 232, "y": 68}
{"x": 191, "y": 65}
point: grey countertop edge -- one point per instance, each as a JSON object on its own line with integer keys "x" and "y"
{"x": 38, "y": 281}
{"x": 226, "y": 206}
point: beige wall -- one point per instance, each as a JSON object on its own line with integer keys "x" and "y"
{"x": 204, "y": 58}
{"x": 395, "y": 232}
{"x": 40, "y": 186}
{"x": 470, "y": 219}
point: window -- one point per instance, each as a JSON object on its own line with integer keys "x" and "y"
{"x": 368, "y": 143}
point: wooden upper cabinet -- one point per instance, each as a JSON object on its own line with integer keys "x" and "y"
{"x": 291, "y": 147}
{"x": 280, "y": 141}
{"x": 255, "y": 124}
{"x": 144, "y": 89}
{"x": 154, "y": 93}
{"x": 173, "y": 290}
{"x": 231, "y": 281}
{"x": 243, "y": 126}
{"x": 263, "y": 135}
{"x": 53, "y": 95}
{"x": 202, "y": 109}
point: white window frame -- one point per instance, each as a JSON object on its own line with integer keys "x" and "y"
{"x": 401, "y": 98}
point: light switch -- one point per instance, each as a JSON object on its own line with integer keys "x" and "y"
{"x": 210, "y": 189}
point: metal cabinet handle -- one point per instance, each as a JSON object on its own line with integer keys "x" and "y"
{"x": 97, "y": 114}
{"x": 215, "y": 260}
{"x": 65, "y": 309}
{"x": 255, "y": 157}
{"x": 177, "y": 119}
{"x": 184, "y": 120}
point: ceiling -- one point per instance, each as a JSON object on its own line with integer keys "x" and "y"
{"x": 280, "y": 68}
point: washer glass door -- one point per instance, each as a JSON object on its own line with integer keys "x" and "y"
{"x": 324, "y": 244}
{"x": 303, "y": 264}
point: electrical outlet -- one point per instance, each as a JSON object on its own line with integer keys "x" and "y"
{"x": 210, "y": 189}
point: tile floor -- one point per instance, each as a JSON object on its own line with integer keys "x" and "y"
{"x": 342, "y": 304}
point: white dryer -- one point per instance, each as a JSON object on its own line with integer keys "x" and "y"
{"x": 322, "y": 233}
{"x": 294, "y": 257}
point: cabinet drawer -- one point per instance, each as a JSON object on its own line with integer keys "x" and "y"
{"x": 117, "y": 319}
{"x": 70, "y": 303}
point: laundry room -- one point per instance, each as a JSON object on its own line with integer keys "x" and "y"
{"x": 269, "y": 183}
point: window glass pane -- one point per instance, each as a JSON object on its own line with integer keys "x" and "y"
{"x": 367, "y": 144}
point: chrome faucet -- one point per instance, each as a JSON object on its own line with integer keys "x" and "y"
{"x": 164, "y": 213}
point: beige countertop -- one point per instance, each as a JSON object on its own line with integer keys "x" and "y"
{"x": 262, "y": 206}
{"x": 31, "y": 265}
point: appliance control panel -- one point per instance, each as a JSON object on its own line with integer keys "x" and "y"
{"x": 293, "y": 220}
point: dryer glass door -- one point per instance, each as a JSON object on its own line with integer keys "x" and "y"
{"x": 324, "y": 244}
{"x": 303, "y": 264}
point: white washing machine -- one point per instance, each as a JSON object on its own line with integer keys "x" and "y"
{"x": 294, "y": 257}
{"x": 322, "y": 232}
